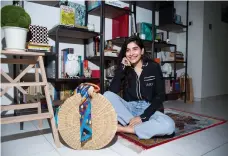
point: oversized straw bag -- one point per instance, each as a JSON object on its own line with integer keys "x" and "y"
{"x": 103, "y": 117}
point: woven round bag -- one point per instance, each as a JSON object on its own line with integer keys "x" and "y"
{"x": 103, "y": 117}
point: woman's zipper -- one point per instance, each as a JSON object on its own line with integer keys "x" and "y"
{"x": 138, "y": 87}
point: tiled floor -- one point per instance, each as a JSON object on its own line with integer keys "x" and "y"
{"x": 212, "y": 142}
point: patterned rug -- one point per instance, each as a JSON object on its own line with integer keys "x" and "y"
{"x": 186, "y": 124}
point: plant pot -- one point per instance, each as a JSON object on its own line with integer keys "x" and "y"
{"x": 15, "y": 38}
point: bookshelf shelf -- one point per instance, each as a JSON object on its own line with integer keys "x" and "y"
{"x": 110, "y": 11}
{"x": 97, "y": 58}
{"x": 173, "y": 61}
{"x": 147, "y": 43}
{"x": 69, "y": 34}
{"x": 173, "y": 27}
{"x": 52, "y": 3}
{"x": 74, "y": 80}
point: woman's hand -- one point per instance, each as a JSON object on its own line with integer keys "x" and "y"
{"x": 126, "y": 62}
{"x": 135, "y": 121}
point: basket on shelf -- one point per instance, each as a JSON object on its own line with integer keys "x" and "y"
{"x": 103, "y": 117}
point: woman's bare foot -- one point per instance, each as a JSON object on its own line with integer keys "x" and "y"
{"x": 125, "y": 129}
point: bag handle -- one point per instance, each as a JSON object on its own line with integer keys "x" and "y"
{"x": 96, "y": 87}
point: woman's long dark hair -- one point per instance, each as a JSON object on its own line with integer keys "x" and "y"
{"x": 122, "y": 54}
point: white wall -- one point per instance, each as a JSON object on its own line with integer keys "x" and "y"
{"x": 215, "y": 52}
{"x": 195, "y": 41}
{"x": 207, "y": 49}
{"x": 195, "y": 45}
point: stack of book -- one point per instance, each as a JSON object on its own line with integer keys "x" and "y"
{"x": 38, "y": 47}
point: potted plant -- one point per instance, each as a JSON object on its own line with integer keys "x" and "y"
{"x": 15, "y": 22}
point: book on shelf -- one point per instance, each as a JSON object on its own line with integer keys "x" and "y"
{"x": 50, "y": 66}
{"x": 64, "y": 92}
{"x": 67, "y": 15}
{"x": 38, "y": 47}
{"x": 63, "y": 60}
{"x": 79, "y": 11}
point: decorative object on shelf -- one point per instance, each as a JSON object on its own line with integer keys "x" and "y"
{"x": 39, "y": 34}
{"x": 145, "y": 28}
{"x": 81, "y": 65}
{"x": 109, "y": 52}
{"x": 109, "y": 45}
{"x": 87, "y": 71}
{"x": 91, "y": 27}
{"x": 167, "y": 86}
{"x": 96, "y": 45}
{"x": 168, "y": 55}
{"x": 167, "y": 70}
{"x": 99, "y": 110}
{"x": 111, "y": 69}
{"x": 15, "y": 22}
{"x": 189, "y": 88}
{"x": 120, "y": 25}
{"x": 67, "y": 15}
{"x": 176, "y": 17}
{"x": 142, "y": 36}
{"x": 72, "y": 67}
{"x": 96, "y": 73}
{"x": 93, "y": 4}
{"x": 158, "y": 60}
{"x": 160, "y": 36}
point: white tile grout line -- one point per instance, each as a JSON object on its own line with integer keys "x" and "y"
{"x": 215, "y": 148}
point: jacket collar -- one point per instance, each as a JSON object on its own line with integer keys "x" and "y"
{"x": 145, "y": 63}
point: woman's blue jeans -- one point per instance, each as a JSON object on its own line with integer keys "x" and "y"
{"x": 159, "y": 124}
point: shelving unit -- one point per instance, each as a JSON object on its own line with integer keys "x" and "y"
{"x": 74, "y": 35}
{"x": 66, "y": 34}
{"x": 166, "y": 23}
{"x": 105, "y": 11}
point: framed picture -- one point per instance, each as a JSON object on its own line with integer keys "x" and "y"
{"x": 159, "y": 36}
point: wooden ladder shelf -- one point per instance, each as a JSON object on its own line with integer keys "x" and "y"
{"x": 35, "y": 58}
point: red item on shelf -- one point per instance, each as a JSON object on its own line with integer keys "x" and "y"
{"x": 120, "y": 26}
{"x": 96, "y": 73}
{"x": 85, "y": 64}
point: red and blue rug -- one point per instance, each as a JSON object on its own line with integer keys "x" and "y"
{"x": 186, "y": 124}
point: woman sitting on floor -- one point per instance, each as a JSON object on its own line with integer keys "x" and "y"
{"x": 140, "y": 111}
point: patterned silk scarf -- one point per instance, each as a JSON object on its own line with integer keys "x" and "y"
{"x": 85, "y": 113}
